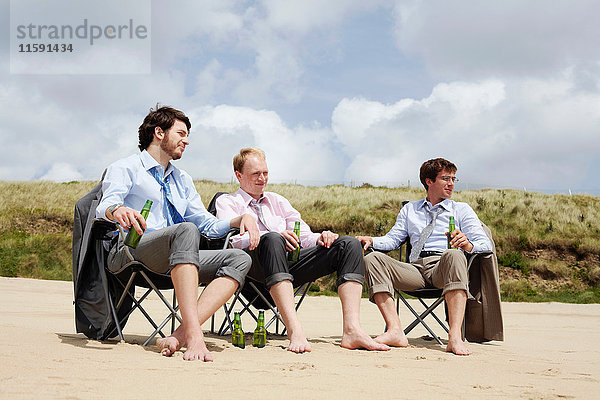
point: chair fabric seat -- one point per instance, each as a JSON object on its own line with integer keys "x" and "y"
{"x": 425, "y": 293}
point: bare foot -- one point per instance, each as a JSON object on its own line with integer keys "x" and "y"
{"x": 196, "y": 349}
{"x": 360, "y": 340}
{"x": 393, "y": 337}
{"x": 298, "y": 342}
{"x": 458, "y": 347}
{"x": 168, "y": 346}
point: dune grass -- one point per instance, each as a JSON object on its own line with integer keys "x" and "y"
{"x": 548, "y": 245}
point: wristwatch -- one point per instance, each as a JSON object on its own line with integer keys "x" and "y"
{"x": 111, "y": 209}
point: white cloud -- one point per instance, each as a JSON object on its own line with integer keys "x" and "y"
{"x": 509, "y": 97}
{"x": 531, "y": 133}
{"x": 477, "y": 39}
{"x": 218, "y": 133}
{"x": 62, "y": 172}
{"x": 303, "y": 16}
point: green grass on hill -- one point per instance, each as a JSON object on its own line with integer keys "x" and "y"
{"x": 548, "y": 245}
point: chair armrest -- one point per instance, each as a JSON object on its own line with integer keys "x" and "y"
{"x": 103, "y": 229}
{"x": 474, "y": 256}
{"x": 217, "y": 243}
{"x": 371, "y": 249}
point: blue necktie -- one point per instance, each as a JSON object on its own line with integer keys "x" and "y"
{"x": 173, "y": 216}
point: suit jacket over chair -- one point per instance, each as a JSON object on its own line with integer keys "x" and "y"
{"x": 90, "y": 281}
{"x": 483, "y": 314}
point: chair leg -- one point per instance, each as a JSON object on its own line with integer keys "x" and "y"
{"x": 116, "y": 318}
{"x": 137, "y": 304}
{"x": 174, "y": 306}
{"x": 429, "y": 311}
{"x": 273, "y": 308}
{"x": 126, "y": 289}
{"x": 419, "y": 318}
{"x": 227, "y": 319}
{"x": 227, "y": 325}
{"x": 159, "y": 327}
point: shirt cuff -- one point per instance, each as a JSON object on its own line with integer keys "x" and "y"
{"x": 377, "y": 243}
{"x": 310, "y": 240}
{"x": 241, "y": 242}
{"x": 384, "y": 243}
{"x": 477, "y": 248}
{"x": 222, "y": 227}
{"x": 101, "y": 211}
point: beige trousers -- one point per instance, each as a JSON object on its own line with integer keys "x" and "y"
{"x": 447, "y": 272}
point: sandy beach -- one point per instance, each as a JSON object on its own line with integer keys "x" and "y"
{"x": 551, "y": 351}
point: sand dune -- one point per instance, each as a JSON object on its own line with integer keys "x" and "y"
{"x": 551, "y": 351}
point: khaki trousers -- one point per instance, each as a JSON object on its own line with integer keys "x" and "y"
{"x": 447, "y": 272}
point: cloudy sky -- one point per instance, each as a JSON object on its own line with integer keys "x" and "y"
{"x": 338, "y": 91}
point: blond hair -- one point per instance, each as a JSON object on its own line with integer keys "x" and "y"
{"x": 240, "y": 159}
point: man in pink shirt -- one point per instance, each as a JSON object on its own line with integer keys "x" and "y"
{"x": 320, "y": 253}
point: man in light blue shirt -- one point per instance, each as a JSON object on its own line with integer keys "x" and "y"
{"x": 425, "y": 223}
{"x": 171, "y": 234}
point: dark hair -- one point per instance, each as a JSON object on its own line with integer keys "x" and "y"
{"x": 163, "y": 117}
{"x": 431, "y": 168}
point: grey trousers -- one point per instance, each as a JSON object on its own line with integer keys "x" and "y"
{"x": 165, "y": 248}
{"x": 384, "y": 274}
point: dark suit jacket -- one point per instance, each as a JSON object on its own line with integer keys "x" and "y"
{"x": 90, "y": 281}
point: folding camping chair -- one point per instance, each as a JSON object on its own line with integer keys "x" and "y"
{"x": 427, "y": 293}
{"x": 133, "y": 274}
{"x": 254, "y": 294}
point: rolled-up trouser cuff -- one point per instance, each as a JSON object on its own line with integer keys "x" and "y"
{"x": 380, "y": 288}
{"x": 236, "y": 266}
{"x": 454, "y": 286}
{"x": 184, "y": 257}
{"x": 350, "y": 277}
{"x": 233, "y": 273}
{"x": 278, "y": 277}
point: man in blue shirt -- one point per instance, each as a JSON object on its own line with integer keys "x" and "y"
{"x": 171, "y": 234}
{"x": 425, "y": 223}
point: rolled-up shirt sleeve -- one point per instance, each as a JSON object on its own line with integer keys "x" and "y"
{"x": 197, "y": 213}
{"x": 115, "y": 186}
{"x": 227, "y": 209}
{"x": 470, "y": 225}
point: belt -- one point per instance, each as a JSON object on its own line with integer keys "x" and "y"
{"x": 429, "y": 253}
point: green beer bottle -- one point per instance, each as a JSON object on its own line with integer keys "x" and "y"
{"x": 294, "y": 254}
{"x": 237, "y": 336}
{"x": 451, "y": 228}
{"x": 260, "y": 333}
{"x": 133, "y": 238}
